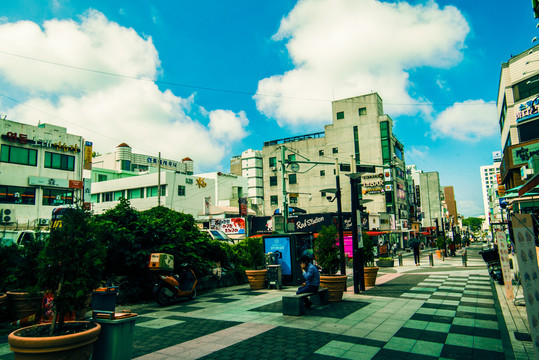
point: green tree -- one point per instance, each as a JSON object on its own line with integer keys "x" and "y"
{"x": 326, "y": 250}
{"x": 473, "y": 223}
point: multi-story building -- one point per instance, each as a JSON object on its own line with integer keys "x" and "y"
{"x": 518, "y": 114}
{"x": 431, "y": 197}
{"x": 123, "y": 159}
{"x": 41, "y": 168}
{"x": 249, "y": 165}
{"x": 300, "y": 171}
{"x": 490, "y": 174}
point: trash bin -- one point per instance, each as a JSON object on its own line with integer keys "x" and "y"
{"x": 104, "y": 298}
{"x": 115, "y": 341}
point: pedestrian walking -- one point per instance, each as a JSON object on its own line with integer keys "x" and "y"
{"x": 415, "y": 244}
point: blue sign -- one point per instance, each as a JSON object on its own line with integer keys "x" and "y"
{"x": 280, "y": 246}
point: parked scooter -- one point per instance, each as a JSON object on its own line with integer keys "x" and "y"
{"x": 169, "y": 287}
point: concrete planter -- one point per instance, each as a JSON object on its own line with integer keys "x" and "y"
{"x": 336, "y": 284}
{"x": 385, "y": 263}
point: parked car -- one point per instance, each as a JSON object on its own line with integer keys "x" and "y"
{"x": 218, "y": 235}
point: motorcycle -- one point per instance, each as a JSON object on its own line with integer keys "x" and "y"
{"x": 170, "y": 287}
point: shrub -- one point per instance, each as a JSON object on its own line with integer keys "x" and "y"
{"x": 368, "y": 250}
{"x": 249, "y": 254}
{"x": 326, "y": 250}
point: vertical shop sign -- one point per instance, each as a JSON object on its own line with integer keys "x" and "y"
{"x": 504, "y": 261}
{"x": 88, "y": 155}
{"x": 529, "y": 274}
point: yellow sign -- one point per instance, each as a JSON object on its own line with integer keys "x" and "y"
{"x": 88, "y": 156}
{"x": 201, "y": 183}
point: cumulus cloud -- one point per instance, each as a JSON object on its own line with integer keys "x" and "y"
{"x": 226, "y": 125}
{"x": 467, "y": 121}
{"x": 106, "y": 109}
{"x": 345, "y": 48}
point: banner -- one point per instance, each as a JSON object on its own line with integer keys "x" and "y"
{"x": 529, "y": 274}
{"x": 234, "y": 226}
{"x": 504, "y": 261}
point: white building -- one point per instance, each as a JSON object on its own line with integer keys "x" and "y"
{"x": 489, "y": 188}
{"x": 197, "y": 195}
{"x": 40, "y": 168}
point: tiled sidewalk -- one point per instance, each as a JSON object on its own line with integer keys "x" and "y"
{"x": 412, "y": 313}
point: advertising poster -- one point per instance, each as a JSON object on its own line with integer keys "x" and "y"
{"x": 280, "y": 247}
{"x": 529, "y": 274}
{"x": 504, "y": 262}
{"x": 234, "y": 226}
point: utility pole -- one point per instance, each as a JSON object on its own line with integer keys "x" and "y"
{"x": 339, "y": 215}
{"x": 159, "y": 181}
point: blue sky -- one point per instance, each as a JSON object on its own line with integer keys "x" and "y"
{"x": 208, "y": 79}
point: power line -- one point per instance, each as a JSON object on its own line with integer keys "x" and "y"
{"x": 198, "y": 87}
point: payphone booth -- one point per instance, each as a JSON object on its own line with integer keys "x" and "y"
{"x": 287, "y": 249}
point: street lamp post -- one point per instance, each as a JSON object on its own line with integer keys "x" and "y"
{"x": 358, "y": 270}
{"x": 339, "y": 215}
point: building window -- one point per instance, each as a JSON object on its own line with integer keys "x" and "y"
{"x": 181, "y": 190}
{"x": 335, "y": 150}
{"x": 344, "y": 167}
{"x": 106, "y": 197}
{"x": 322, "y": 172}
{"x": 340, "y": 115}
{"x": 101, "y": 177}
{"x": 362, "y": 111}
{"x": 526, "y": 88}
{"x": 135, "y": 193}
{"x": 274, "y": 200}
{"x": 151, "y": 191}
{"x": 320, "y": 152}
{"x": 273, "y": 180}
{"x": 59, "y": 161}
{"x": 356, "y": 148}
{"x": 293, "y": 200}
{"x": 119, "y": 194}
{"x": 291, "y": 157}
{"x": 272, "y": 161}
{"x": 292, "y": 179}
{"x": 18, "y": 155}
{"x": 126, "y": 165}
{"x": 57, "y": 196}
{"x": 163, "y": 190}
{"x": 96, "y": 198}
{"x": 17, "y": 195}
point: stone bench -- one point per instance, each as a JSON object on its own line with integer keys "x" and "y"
{"x": 295, "y": 305}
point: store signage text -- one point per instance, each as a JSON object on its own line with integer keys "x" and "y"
{"x": 24, "y": 140}
{"x": 522, "y": 154}
{"x": 309, "y": 222}
{"x": 152, "y": 160}
{"x": 527, "y": 110}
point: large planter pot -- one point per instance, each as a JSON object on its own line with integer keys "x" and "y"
{"x": 439, "y": 254}
{"x": 385, "y": 263}
{"x": 22, "y": 304}
{"x": 3, "y": 307}
{"x": 370, "y": 274}
{"x": 77, "y": 346}
{"x": 336, "y": 284}
{"x": 257, "y": 278}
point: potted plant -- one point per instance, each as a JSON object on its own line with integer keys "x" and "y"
{"x": 440, "y": 244}
{"x": 19, "y": 278}
{"x": 385, "y": 262}
{"x": 70, "y": 266}
{"x": 370, "y": 271}
{"x": 327, "y": 256}
{"x": 250, "y": 254}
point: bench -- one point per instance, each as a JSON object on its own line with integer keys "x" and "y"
{"x": 295, "y": 305}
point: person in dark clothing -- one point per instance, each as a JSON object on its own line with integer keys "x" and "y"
{"x": 312, "y": 279}
{"x": 416, "y": 248}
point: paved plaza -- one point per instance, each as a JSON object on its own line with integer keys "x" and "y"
{"x": 446, "y": 311}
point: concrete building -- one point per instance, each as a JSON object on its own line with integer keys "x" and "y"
{"x": 431, "y": 199}
{"x": 518, "y": 114}
{"x": 123, "y": 159}
{"x": 490, "y": 174}
{"x": 298, "y": 169}
{"x": 41, "y": 168}
{"x": 250, "y": 166}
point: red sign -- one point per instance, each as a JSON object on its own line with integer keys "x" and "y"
{"x": 75, "y": 184}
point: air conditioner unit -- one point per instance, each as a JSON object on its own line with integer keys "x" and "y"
{"x": 43, "y": 221}
{"x": 526, "y": 173}
{"x": 273, "y": 168}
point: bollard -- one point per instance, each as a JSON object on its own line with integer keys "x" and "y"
{"x": 464, "y": 258}
{"x": 431, "y": 259}
{"x": 400, "y": 259}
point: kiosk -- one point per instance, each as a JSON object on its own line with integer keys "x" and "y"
{"x": 287, "y": 249}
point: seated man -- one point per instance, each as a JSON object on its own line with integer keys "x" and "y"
{"x": 312, "y": 279}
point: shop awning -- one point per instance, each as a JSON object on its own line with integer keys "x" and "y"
{"x": 373, "y": 233}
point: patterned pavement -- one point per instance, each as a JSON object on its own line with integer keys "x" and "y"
{"x": 412, "y": 313}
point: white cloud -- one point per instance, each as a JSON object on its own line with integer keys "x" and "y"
{"x": 226, "y": 125}
{"x": 345, "y": 48}
{"x": 106, "y": 109}
{"x": 469, "y": 120}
